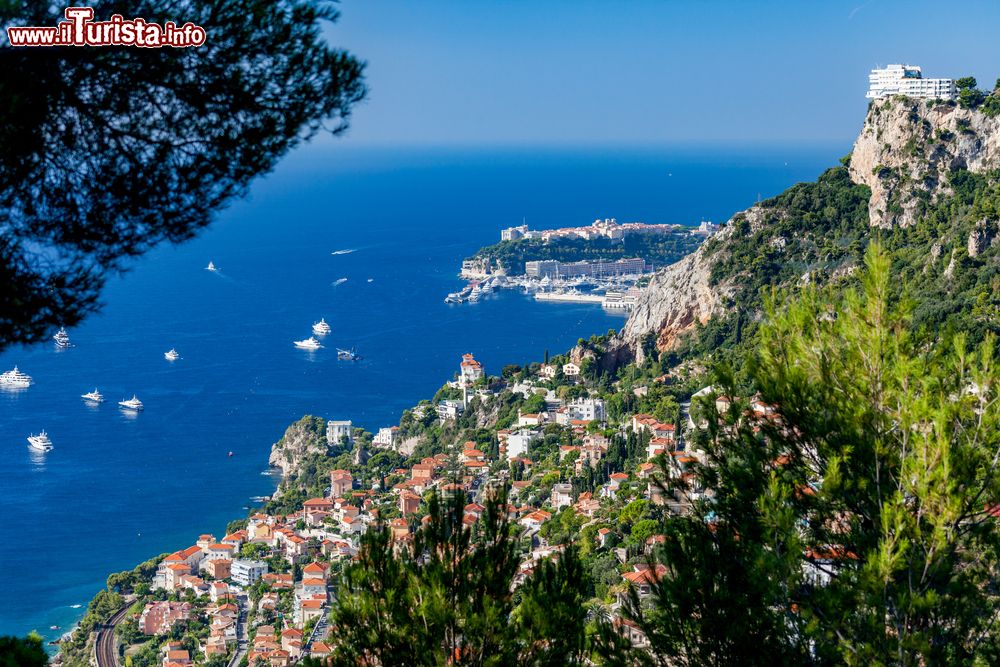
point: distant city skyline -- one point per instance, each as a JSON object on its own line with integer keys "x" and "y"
{"x": 645, "y": 72}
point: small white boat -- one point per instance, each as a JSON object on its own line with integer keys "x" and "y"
{"x": 321, "y": 328}
{"x": 62, "y": 338}
{"x": 307, "y": 344}
{"x": 93, "y": 396}
{"x": 131, "y": 404}
{"x": 211, "y": 267}
{"x": 348, "y": 355}
{"x": 15, "y": 378}
{"x": 40, "y": 442}
{"x": 171, "y": 355}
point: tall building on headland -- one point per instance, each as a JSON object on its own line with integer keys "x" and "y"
{"x": 513, "y": 233}
{"x": 908, "y": 80}
{"x": 550, "y": 268}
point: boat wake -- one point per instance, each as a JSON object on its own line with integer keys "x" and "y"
{"x": 339, "y": 282}
{"x": 347, "y": 251}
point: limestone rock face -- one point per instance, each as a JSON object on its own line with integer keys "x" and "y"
{"x": 983, "y": 235}
{"x": 906, "y": 149}
{"x": 304, "y": 437}
{"x": 678, "y": 298}
{"x": 904, "y": 154}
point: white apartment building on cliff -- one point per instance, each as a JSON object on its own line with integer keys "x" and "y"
{"x": 908, "y": 80}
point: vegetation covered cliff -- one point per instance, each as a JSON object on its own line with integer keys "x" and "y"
{"x": 924, "y": 177}
{"x": 302, "y": 439}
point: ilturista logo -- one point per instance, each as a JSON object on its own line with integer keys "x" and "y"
{"x": 80, "y": 29}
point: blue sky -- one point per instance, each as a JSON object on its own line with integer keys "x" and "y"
{"x": 644, "y": 72}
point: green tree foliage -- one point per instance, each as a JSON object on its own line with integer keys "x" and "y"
{"x": 126, "y": 581}
{"x": 75, "y": 649}
{"x": 966, "y": 83}
{"x": 22, "y": 652}
{"x": 447, "y": 598}
{"x": 254, "y": 551}
{"x": 858, "y": 527}
{"x": 811, "y": 227}
{"x": 159, "y": 139}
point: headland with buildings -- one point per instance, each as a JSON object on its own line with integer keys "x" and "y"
{"x": 614, "y": 282}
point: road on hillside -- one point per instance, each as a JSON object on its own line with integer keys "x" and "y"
{"x": 243, "y": 603}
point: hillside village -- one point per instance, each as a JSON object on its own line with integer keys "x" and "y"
{"x": 578, "y": 464}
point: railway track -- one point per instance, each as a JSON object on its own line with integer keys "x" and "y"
{"x": 105, "y": 650}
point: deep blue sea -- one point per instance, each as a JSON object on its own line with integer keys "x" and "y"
{"x": 118, "y": 489}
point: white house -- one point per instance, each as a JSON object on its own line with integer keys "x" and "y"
{"x": 312, "y": 588}
{"x": 535, "y": 520}
{"x": 386, "y": 437}
{"x": 449, "y": 409}
{"x": 471, "y": 370}
{"x": 248, "y": 572}
{"x": 337, "y": 430}
{"x": 519, "y": 443}
{"x": 530, "y": 419}
{"x": 562, "y": 495}
{"x": 587, "y": 409}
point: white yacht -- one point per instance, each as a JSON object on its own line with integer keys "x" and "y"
{"x": 93, "y": 396}
{"x": 15, "y": 378}
{"x": 40, "y": 442}
{"x": 307, "y": 344}
{"x": 321, "y": 328}
{"x": 171, "y": 355}
{"x": 62, "y": 338}
{"x": 211, "y": 267}
{"x": 131, "y": 404}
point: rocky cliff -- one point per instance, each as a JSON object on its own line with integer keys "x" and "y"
{"x": 304, "y": 437}
{"x": 679, "y": 297}
{"x": 907, "y": 148}
{"x": 904, "y": 160}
